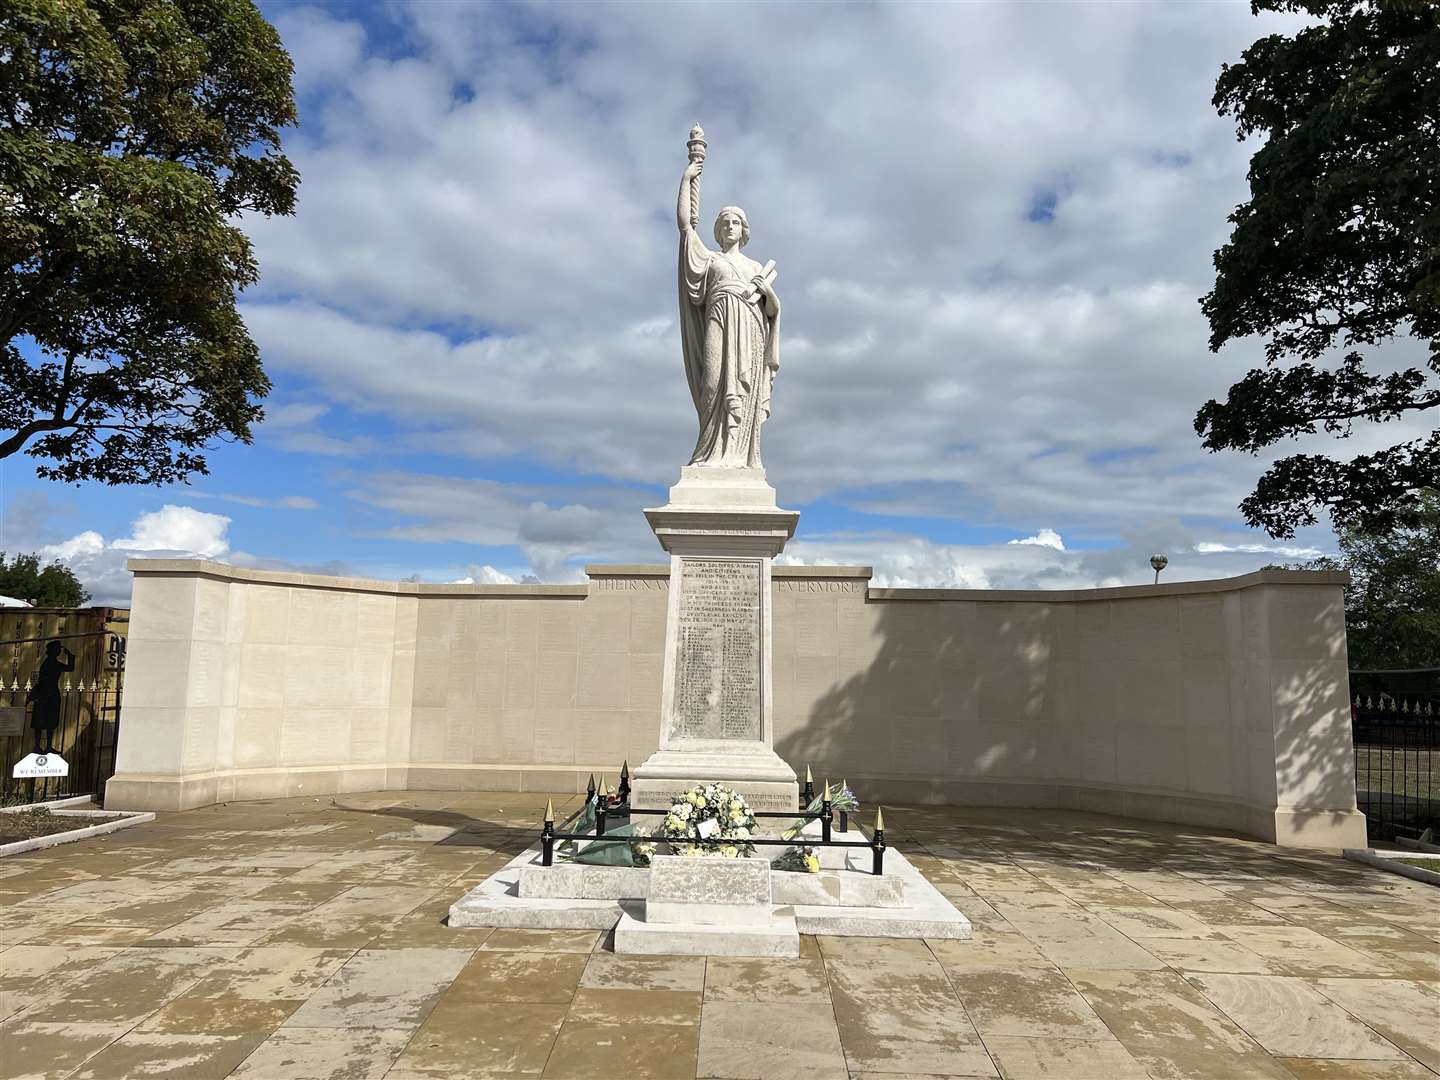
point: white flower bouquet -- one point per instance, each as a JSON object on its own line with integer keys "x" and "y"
{"x": 711, "y": 812}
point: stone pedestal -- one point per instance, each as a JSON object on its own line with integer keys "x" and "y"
{"x": 707, "y": 906}
{"x": 721, "y": 528}
{"x": 708, "y": 890}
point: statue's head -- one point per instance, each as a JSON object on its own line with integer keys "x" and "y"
{"x": 732, "y": 227}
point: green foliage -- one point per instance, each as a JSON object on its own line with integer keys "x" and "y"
{"x": 131, "y": 134}
{"x": 1338, "y": 248}
{"x": 56, "y": 585}
{"x": 1392, "y": 604}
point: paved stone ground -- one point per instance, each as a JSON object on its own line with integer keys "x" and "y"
{"x": 305, "y": 939}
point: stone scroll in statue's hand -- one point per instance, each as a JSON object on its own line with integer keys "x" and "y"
{"x": 768, "y": 274}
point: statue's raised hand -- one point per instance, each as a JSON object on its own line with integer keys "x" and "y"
{"x": 694, "y": 169}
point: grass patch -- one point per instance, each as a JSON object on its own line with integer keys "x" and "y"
{"x": 1433, "y": 865}
{"x": 28, "y": 824}
{"x": 1411, "y": 773}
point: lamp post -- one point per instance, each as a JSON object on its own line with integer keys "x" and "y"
{"x": 1158, "y": 563}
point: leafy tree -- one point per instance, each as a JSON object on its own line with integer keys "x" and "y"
{"x": 1338, "y": 248}
{"x": 1392, "y": 604}
{"x": 56, "y": 585}
{"x": 131, "y": 134}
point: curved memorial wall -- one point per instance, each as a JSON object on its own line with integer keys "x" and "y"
{"x": 1215, "y": 703}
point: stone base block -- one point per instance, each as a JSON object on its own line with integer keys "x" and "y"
{"x": 777, "y": 937}
{"x": 496, "y": 901}
{"x": 1314, "y": 828}
{"x": 577, "y": 881}
{"x": 666, "y": 911}
{"x": 472, "y": 910}
{"x": 706, "y": 486}
{"x": 926, "y": 913}
{"x": 882, "y": 922}
{"x": 760, "y": 794}
{"x": 838, "y": 889}
{"x": 708, "y": 890}
{"x": 752, "y": 769}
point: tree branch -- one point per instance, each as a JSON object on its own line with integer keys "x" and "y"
{"x": 1394, "y": 408}
{"x": 22, "y": 436}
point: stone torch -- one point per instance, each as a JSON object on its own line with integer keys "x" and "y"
{"x": 696, "y": 146}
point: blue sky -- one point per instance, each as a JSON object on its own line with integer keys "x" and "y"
{"x": 992, "y": 222}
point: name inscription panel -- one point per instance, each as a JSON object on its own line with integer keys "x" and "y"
{"x": 717, "y": 650}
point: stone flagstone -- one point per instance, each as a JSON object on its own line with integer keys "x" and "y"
{"x": 170, "y": 1057}
{"x": 1063, "y": 1059}
{"x": 1291, "y": 1019}
{"x": 386, "y": 988}
{"x": 742, "y": 1040}
{"x": 1171, "y": 1028}
{"x": 1406, "y": 1013}
{"x": 325, "y": 1054}
{"x": 1039, "y": 1003}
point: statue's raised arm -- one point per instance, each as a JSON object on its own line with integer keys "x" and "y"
{"x": 687, "y": 209}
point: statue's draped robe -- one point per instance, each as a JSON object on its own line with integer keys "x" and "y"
{"x": 732, "y": 351}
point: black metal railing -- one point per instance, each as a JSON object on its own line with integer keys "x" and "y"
{"x": 88, "y": 719}
{"x": 608, "y": 813}
{"x": 1396, "y": 721}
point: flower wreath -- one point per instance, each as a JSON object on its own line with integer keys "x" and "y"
{"x": 709, "y": 812}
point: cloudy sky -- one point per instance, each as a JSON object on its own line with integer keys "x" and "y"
{"x": 992, "y": 223}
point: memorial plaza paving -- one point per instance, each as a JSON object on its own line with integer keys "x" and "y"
{"x": 305, "y": 938}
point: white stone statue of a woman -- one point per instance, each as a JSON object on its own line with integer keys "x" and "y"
{"x": 729, "y": 327}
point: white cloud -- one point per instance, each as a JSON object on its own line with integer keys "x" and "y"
{"x": 86, "y": 543}
{"x": 178, "y": 528}
{"x": 1044, "y": 538}
{"x": 485, "y": 575}
{"x": 915, "y": 562}
{"x": 278, "y": 502}
{"x": 170, "y": 532}
{"x": 555, "y": 528}
{"x": 1286, "y": 550}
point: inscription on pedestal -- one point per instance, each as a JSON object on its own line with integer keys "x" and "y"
{"x": 717, "y": 650}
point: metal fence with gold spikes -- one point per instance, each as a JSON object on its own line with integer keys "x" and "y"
{"x": 1395, "y": 717}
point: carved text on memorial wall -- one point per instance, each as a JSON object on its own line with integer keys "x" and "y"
{"x": 717, "y": 643}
